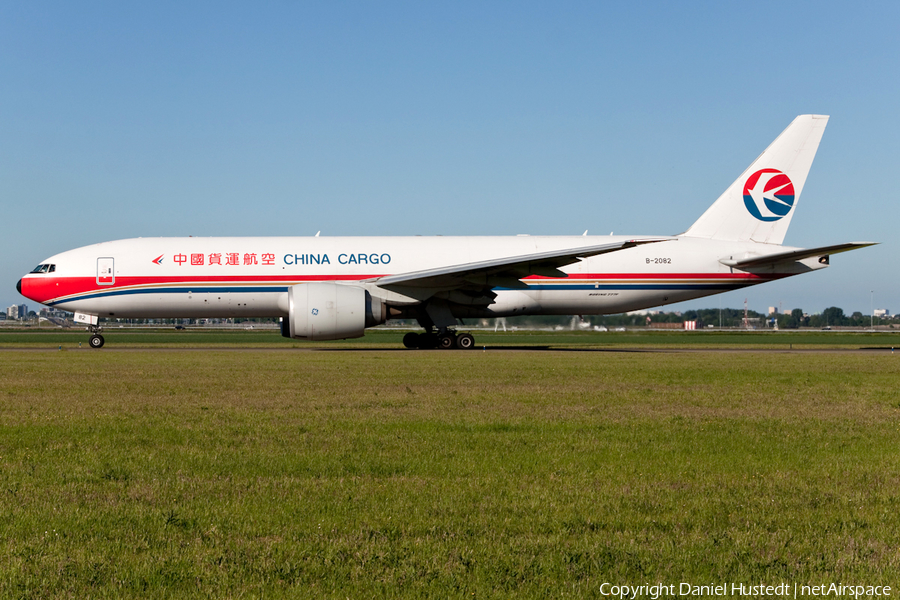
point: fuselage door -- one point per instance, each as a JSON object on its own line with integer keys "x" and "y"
{"x": 106, "y": 274}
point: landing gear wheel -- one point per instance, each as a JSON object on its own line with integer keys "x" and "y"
{"x": 446, "y": 341}
{"x": 411, "y": 340}
{"x": 465, "y": 341}
{"x": 97, "y": 341}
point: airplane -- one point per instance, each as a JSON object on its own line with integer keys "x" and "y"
{"x": 327, "y": 288}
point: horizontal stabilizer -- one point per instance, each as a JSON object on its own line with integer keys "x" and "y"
{"x": 792, "y": 255}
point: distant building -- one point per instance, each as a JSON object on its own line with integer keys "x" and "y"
{"x": 773, "y": 310}
{"x": 881, "y": 312}
{"x": 17, "y": 312}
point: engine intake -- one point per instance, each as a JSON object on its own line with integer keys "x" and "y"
{"x": 329, "y": 311}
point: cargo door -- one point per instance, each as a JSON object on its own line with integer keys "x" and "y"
{"x": 106, "y": 274}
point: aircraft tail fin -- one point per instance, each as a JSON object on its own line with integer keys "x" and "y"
{"x": 759, "y": 205}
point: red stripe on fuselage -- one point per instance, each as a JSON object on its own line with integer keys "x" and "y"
{"x": 44, "y": 288}
{"x": 604, "y": 276}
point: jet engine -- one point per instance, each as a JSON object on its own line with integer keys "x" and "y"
{"x": 329, "y": 311}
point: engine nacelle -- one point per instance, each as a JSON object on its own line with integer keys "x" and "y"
{"x": 328, "y": 311}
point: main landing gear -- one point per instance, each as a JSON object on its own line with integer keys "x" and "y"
{"x": 96, "y": 340}
{"x": 445, "y": 339}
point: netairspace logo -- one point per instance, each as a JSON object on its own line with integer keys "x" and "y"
{"x": 769, "y": 194}
{"x": 730, "y": 590}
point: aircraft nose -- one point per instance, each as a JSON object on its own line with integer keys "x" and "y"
{"x": 19, "y": 286}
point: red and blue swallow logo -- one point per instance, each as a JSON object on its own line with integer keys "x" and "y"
{"x": 769, "y": 194}
{"x": 158, "y": 260}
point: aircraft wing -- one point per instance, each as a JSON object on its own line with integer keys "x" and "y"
{"x": 504, "y": 271}
{"x": 768, "y": 260}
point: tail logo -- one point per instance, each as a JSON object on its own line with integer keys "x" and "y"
{"x": 769, "y": 194}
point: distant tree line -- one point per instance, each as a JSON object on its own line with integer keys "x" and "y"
{"x": 725, "y": 317}
{"x": 716, "y": 317}
{"x": 832, "y": 316}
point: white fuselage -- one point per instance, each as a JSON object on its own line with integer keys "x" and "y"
{"x": 250, "y": 276}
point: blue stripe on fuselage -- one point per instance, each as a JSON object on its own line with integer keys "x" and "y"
{"x": 537, "y": 287}
{"x": 184, "y": 290}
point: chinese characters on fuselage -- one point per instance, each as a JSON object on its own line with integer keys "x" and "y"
{"x": 234, "y": 259}
{"x": 198, "y": 259}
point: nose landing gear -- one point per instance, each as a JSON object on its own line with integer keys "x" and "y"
{"x": 96, "y": 340}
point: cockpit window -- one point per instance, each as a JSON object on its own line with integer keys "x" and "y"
{"x": 44, "y": 269}
{"x": 51, "y": 269}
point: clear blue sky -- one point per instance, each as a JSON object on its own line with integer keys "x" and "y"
{"x": 168, "y": 119}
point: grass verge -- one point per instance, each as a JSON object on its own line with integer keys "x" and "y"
{"x": 386, "y": 338}
{"x": 409, "y": 474}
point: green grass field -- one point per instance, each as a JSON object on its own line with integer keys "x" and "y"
{"x": 273, "y": 472}
{"x": 50, "y": 337}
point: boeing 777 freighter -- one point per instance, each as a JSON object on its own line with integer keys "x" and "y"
{"x": 327, "y": 288}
